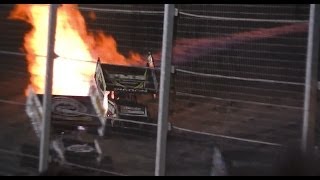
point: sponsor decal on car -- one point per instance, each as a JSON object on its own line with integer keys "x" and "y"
{"x": 80, "y": 148}
{"x": 69, "y": 109}
{"x": 132, "y": 110}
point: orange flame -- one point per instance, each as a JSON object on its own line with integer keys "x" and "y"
{"x": 76, "y": 48}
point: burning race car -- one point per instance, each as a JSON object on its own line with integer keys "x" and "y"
{"x": 119, "y": 92}
{"x": 73, "y": 118}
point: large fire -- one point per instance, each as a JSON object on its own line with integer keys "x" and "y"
{"x": 76, "y": 48}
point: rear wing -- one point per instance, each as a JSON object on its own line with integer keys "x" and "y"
{"x": 129, "y": 79}
{"x": 125, "y": 79}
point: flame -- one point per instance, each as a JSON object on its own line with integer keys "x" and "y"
{"x": 76, "y": 48}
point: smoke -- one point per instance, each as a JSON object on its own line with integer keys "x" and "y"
{"x": 185, "y": 50}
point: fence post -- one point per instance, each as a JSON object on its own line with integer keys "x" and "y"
{"x": 45, "y": 133}
{"x": 310, "y": 96}
{"x": 166, "y": 56}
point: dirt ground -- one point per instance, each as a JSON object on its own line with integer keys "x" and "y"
{"x": 187, "y": 153}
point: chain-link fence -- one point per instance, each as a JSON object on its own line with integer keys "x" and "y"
{"x": 239, "y": 84}
{"x": 240, "y": 74}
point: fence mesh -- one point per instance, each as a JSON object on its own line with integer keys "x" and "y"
{"x": 239, "y": 83}
{"x": 240, "y": 74}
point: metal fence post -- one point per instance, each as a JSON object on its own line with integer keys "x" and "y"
{"x": 45, "y": 133}
{"x": 310, "y": 98}
{"x": 166, "y": 56}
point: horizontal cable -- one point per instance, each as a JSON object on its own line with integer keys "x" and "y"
{"x": 208, "y": 83}
{"x": 67, "y": 163}
{"x": 227, "y": 114}
{"x": 12, "y": 102}
{"x": 234, "y": 100}
{"x": 249, "y": 51}
{"x": 246, "y": 88}
{"x": 72, "y": 59}
{"x": 13, "y": 53}
{"x": 226, "y": 56}
{"x": 121, "y": 11}
{"x": 94, "y": 169}
{"x": 241, "y": 19}
{"x": 239, "y": 96}
{"x": 152, "y": 124}
{"x": 264, "y": 74}
{"x": 277, "y": 6}
{"x": 230, "y": 120}
{"x": 257, "y": 59}
{"x": 126, "y": 21}
{"x": 178, "y": 70}
{"x": 80, "y": 113}
{"x": 15, "y": 72}
{"x": 239, "y": 78}
{"x": 230, "y": 64}
{"x": 294, "y": 15}
{"x": 249, "y": 111}
{"x": 19, "y": 154}
{"x": 124, "y": 120}
{"x": 229, "y": 137}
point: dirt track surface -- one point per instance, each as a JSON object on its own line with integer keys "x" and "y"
{"x": 187, "y": 153}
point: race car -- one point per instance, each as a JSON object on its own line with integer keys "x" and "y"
{"x": 119, "y": 94}
{"x": 72, "y": 119}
